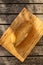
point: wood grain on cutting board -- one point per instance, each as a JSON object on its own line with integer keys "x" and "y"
{"x": 24, "y": 48}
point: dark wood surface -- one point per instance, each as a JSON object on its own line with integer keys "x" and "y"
{"x": 9, "y": 9}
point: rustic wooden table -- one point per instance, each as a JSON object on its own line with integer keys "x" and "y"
{"x": 9, "y": 9}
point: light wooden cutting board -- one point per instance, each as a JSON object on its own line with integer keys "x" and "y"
{"x": 22, "y": 35}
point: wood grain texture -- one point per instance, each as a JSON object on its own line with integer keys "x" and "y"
{"x": 16, "y": 8}
{"x": 37, "y": 51}
{"x": 29, "y": 60}
{"x": 21, "y": 29}
{"x": 8, "y": 19}
{"x": 23, "y": 1}
{"x": 25, "y": 47}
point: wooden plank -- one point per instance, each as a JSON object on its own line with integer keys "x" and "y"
{"x": 21, "y": 1}
{"x": 22, "y": 50}
{"x": 21, "y": 29}
{"x": 6, "y": 1}
{"x": 37, "y": 60}
{"x": 7, "y": 19}
{"x": 38, "y": 50}
{"x": 28, "y": 61}
{"x": 40, "y": 42}
{"x": 16, "y": 8}
{"x": 4, "y": 27}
